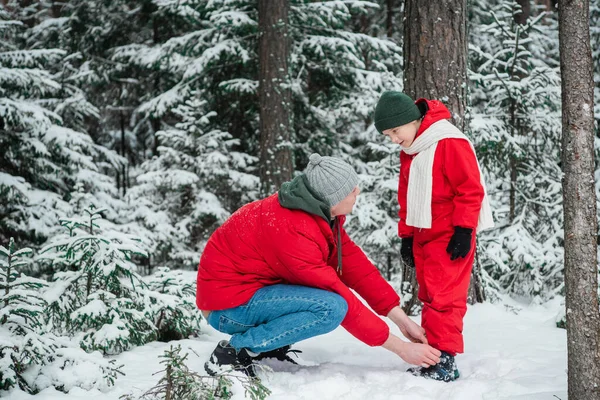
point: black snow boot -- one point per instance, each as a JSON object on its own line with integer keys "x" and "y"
{"x": 445, "y": 370}
{"x": 225, "y": 358}
{"x": 281, "y": 354}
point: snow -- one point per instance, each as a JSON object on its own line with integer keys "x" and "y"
{"x": 77, "y": 370}
{"x": 94, "y": 308}
{"x": 232, "y": 18}
{"x": 15, "y": 182}
{"x": 54, "y": 291}
{"x": 511, "y": 353}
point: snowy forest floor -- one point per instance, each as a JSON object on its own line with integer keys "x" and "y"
{"x": 511, "y": 352}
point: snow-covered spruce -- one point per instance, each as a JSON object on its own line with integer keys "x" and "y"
{"x": 173, "y": 305}
{"x": 46, "y": 150}
{"x": 191, "y": 186}
{"x": 516, "y": 120}
{"x": 96, "y": 294}
{"x": 21, "y": 346}
{"x": 31, "y": 358}
{"x": 179, "y": 382}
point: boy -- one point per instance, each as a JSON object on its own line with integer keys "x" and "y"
{"x": 442, "y": 203}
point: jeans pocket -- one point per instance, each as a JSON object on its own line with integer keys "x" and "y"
{"x": 231, "y": 327}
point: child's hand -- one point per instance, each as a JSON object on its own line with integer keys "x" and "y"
{"x": 410, "y": 329}
{"x": 460, "y": 243}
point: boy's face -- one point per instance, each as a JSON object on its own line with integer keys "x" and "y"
{"x": 345, "y": 206}
{"x": 403, "y": 135}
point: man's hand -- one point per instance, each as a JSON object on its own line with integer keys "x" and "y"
{"x": 413, "y": 353}
{"x": 413, "y": 332}
{"x": 410, "y": 329}
{"x": 420, "y": 354}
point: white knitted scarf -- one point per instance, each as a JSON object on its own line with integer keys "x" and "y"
{"x": 420, "y": 181}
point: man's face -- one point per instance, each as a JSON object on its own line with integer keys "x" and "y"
{"x": 403, "y": 135}
{"x": 345, "y": 206}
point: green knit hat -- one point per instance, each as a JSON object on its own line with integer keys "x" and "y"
{"x": 394, "y": 109}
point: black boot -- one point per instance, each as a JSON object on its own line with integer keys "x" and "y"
{"x": 280, "y": 354}
{"x": 445, "y": 370}
{"x": 225, "y": 357}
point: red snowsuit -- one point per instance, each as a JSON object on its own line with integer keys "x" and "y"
{"x": 264, "y": 244}
{"x": 457, "y": 194}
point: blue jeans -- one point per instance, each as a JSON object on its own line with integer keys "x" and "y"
{"x": 280, "y": 315}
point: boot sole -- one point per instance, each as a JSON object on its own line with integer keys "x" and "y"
{"x": 213, "y": 369}
{"x": 208, "y": 367}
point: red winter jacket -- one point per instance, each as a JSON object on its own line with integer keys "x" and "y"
{"x": 264, "y": 243}
{"x": 457, "y": 192}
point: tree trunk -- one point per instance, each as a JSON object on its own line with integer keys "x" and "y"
{"x": 517, "y": 128}
{"x": 579, "y": 201}
{"x": 409, "y": 289}
{"x": 476, "y": 289}
{"x": 435, "y": 67}
{"x": 123, "y": 174}
{"x": 155, "y": 122}
{"x": 435, "y": 53}
{"x": 274, "y": 95}
{"x": 551, "y": 5}
{"x": 389, "y": 17}
{"x": 55, "y": 9}
{"x": 512, "y": 161}
{"x": 521, "y": 18}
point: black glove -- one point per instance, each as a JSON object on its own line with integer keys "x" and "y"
{"x": 460, "y": 243}
{"x": 406, "y": 252}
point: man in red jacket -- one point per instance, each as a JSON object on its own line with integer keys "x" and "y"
{"x": 280, "y": 270}
{"x": 442, "y": 203}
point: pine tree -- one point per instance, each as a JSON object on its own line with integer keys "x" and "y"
{"x": 595, "y": 44}
{"x": 191, "y": 186}
{"x": 180, "y": 383}
{"x": 580, "y": 214}
{"x": 24, "y": 159}
{"x": 20, "y": 320}
{"x": 32, "y": 358}
{"x": 337, "y": 75}
{"x": 274, "y": 95}
{"x": 44, "y": 156}
{"x": 515, "y": 97}
{"x": 218, "y": 62}
{"x": 173, "y": 308}
{"x": 213, "y": 74}
{"x": 88, "y": 31}
{"x": 435, "y": 54}
{"x": 98, "y": 296}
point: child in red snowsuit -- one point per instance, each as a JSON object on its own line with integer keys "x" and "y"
{"x": 442, "y": 205}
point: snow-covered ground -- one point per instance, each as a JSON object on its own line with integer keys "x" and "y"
{"x": 511, "y": 353}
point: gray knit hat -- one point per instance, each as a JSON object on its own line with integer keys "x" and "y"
{"x": 332, "y": 178}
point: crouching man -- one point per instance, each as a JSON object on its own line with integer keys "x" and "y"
{"x": 280, "y": 270}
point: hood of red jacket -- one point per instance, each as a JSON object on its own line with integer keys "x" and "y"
{"x": 436, "y": 111}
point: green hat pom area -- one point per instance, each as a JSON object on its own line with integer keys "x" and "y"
{"x": 394, "y": 109}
